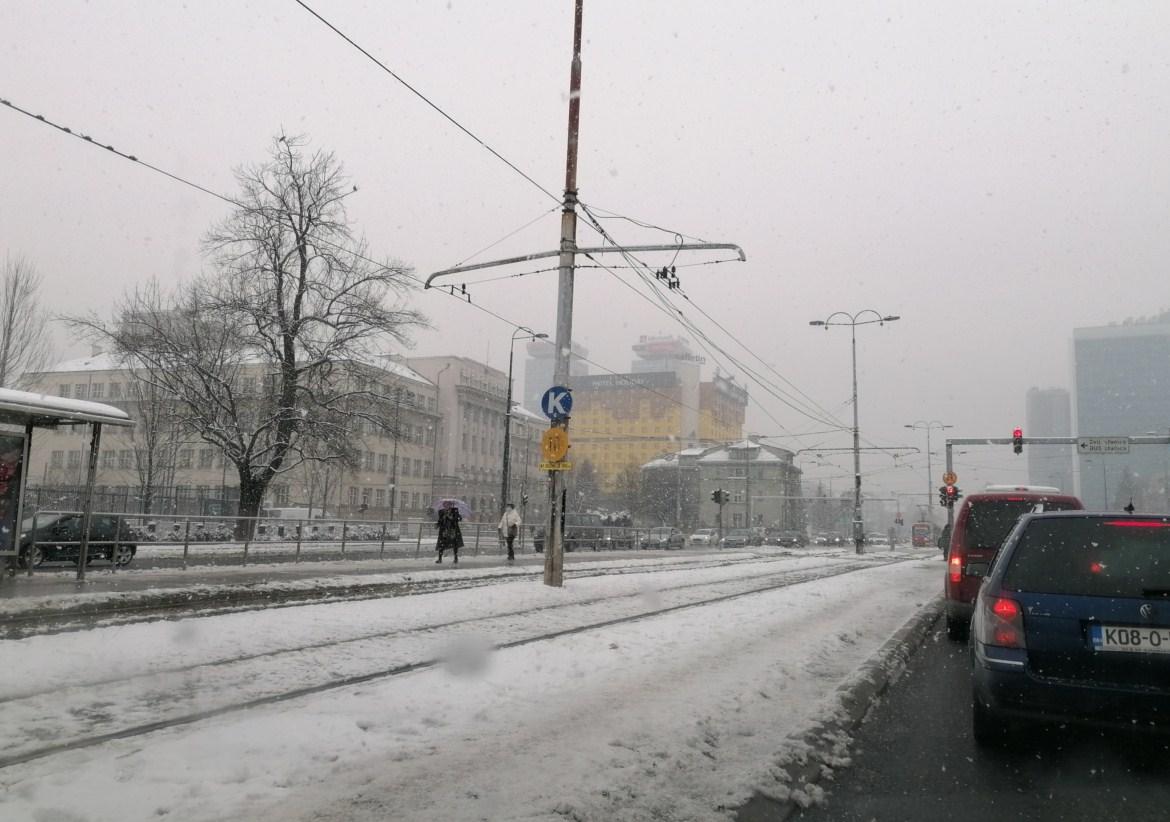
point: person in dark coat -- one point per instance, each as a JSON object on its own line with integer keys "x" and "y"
{"x": 450, "y": 536}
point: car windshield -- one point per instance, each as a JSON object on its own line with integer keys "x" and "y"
{"x": 989, "y": 521}
{"x": 1120, "y": 557}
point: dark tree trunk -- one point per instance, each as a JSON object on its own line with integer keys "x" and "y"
{"x": 251, "y": 495}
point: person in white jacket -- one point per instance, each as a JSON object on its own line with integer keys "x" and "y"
{"x": 510, "y": 527}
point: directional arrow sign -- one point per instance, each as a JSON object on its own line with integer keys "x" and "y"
{"x": 1103, "y": 445}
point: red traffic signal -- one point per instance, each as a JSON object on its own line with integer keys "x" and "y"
{"x": 1018, "y": 440}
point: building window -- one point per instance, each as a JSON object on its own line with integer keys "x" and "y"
{"x": 380, "y": 498}
{"x": 465, "y": 441}
{"x": 115, "y": 390}
{"x": 124, "y": 461}
{"x": 426, "y": 469}
{"x": 79, "y": 391}
{"x": 63, "y": 390}
{"x": 108, "y": 459}
{"x": 206, "y": 457}
{"x": 368, "y": 462}
{"x": 74, "y": 459}
{"x": 353, "y": 496}
{"x": 185, "y": 456}
{"x": 57, "y": 460}
{"x": 383, "y": 463}
{"x": 97, "y": 391}
{"x": 414, "y": 500}
{"x": 182, "y": 492}
{"x": 418, "y": 468}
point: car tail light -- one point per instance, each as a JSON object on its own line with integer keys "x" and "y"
{"x": 1003, "y": 623}
{"x": 956, "y": 568}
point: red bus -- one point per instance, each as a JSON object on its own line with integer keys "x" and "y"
{"x": 920, "y": 534}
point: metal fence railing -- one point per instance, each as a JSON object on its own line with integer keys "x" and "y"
{"x": 116, "y": 540}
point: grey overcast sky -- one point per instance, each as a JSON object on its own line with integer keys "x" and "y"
{"x": 995, "y": 173}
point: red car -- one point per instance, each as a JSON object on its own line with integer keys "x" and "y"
{"x": 983, "y": 522}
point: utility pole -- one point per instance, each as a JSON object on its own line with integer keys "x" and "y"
{"x": 566, "y": 253}
{"x": 554, "y": 556}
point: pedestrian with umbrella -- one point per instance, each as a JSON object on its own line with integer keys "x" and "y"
{"x": 450, "y": 535}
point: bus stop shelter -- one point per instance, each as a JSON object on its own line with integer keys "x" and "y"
{"x": 27, "y": 410}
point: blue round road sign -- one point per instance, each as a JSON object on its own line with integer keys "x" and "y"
{"x": 556, "y": 403}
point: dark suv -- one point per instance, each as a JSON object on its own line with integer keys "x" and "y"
{"x": 982, "y": 524}
{"x": 58, "y": 539}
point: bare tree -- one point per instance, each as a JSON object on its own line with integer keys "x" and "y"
{"x": 270, "y": 356}
{"x": 24, "y": 335}
{"x": 155, "y": 436}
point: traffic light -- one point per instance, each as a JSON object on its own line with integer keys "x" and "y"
{"x": 953, "y": 495}
{"x": 715, "y": 497}
{"x": 1018, "y": 440}
{"x": 948, "y": 495}
{"x": 720, "y": 497}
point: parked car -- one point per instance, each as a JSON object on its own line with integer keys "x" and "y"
{"x": 737, "y": 538}
{"x": 663, "y": 538}
{"x": 583, "y": 532}
{"x": 1072, "y": 624}
{"x": 704, "y": 536}
{"x": 785, "y": 539}
{"x": 617, "y": 538}
{"x": 982, "y": 523}
{"x": 58, "y": 539}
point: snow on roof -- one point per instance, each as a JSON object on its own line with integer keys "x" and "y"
{"x": 96, "y": 362}
{"x": 520, "y": 411}
{"x": 20, "y": 407}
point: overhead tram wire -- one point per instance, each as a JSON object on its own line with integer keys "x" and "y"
{"x": 676, "y": 314}
{"x": 429, "y": 102}
{"x": 438, "y": 109}
{"x": 601, "y": 230}
{"x": 337, "y": 246}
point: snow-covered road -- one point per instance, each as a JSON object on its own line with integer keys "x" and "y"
{"x": 644, "y": 695}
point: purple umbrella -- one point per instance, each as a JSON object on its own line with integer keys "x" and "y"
{"x": 464, "y": 508}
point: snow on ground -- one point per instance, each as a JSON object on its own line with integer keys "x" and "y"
{"x": 61, "y": 592}
{"x": 668, "y": 717}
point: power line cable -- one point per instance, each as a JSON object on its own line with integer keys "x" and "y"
{"x": 427, "y": 100}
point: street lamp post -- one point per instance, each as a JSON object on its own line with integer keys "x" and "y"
{"x": 928, "y": 426}
{"x": 855, "y": 320}
{"x": 530, "y": 335}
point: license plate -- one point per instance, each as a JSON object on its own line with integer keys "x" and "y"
{"x": 976, "y": 569}
{"x": 1128, "y": 639}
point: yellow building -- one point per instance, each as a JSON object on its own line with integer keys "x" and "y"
{"x": 623, "y": 420}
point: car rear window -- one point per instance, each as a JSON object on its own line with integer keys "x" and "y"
{"x": 1120, "y": 557}
{"x": 990, "y": 521}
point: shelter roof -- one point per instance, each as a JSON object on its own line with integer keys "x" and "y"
{"x": 23, "y": 407}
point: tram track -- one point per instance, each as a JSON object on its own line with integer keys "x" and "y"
{"x": 30, "y": 748}
{"x": 194, "y": 601}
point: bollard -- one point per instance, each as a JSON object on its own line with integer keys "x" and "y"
{"x": 186, "y": 543}
{"x": 382, "y": 549}
{"x": 344, "y": 528}
{"x": 418, "y": 544}
{"x": 477, "y": 530}
{"x": 32, "y": 543}
{"x": 300, "y": 530}
{"x": 247, "y": 539}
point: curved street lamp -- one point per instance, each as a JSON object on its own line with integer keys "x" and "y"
{"x": 852, "y": 321}
{"x": 928, "y": 426}
{"x": 528, "y": 334}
